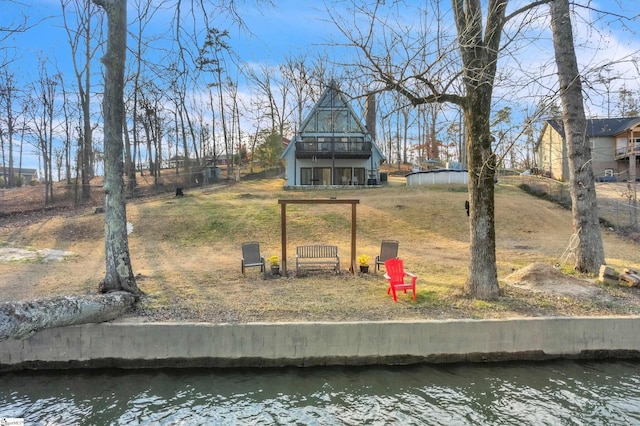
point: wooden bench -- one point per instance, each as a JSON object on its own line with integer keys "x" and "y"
{"x": 316, "y": 256}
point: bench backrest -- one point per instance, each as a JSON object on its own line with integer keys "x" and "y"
{"x": 317, "y": 251}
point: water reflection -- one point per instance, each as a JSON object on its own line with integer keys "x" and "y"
{"x": 589, "y": 393}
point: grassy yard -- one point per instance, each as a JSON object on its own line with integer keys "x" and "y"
{"x": 186, "y": 252}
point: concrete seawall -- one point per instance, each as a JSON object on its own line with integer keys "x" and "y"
{"x": 140, "y": 345}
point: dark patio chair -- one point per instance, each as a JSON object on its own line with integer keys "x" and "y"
{"x": 388, "y": 250}
{"x": 251, "y": 256}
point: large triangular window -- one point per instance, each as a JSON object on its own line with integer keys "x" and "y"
{"x": 332, "y": 115}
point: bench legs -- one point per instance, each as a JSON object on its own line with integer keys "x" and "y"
{"x": 302, "y": 265}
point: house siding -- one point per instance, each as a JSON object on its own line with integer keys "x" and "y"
{"x": 602, "y": 153}
{"x": 552, "y": 153}
{"x": 609, "y": 141}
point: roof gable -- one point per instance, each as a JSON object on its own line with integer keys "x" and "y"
{"x": 599, "y": 127}
{"x": 332, "y": 114}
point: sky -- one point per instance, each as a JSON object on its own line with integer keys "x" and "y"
{"x": 289, "y": 27}
{"x": 301, "y": 26}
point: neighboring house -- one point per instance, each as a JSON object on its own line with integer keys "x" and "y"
{"x": 223, "y": 160}
{"x": 27, "y": 174}
{"x": 332, "y": 146}
{"x": 615, "y": 148}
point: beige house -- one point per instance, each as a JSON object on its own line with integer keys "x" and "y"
{"x": 615, "y": 148}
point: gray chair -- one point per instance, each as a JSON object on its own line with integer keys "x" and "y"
{"x": 251, "y": 256}
{"x": 388, "y": 250}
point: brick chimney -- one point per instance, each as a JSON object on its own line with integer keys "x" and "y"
{"x": 370, "y": 115}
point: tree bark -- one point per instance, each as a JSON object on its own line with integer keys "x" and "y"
{"x": 479, "y": 53}
{"x": 119, "y": 273}
{"x": 589, "y": 254}
{"x": 19, "y": 320}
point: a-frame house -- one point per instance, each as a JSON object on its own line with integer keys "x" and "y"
{"x": 332, "y": 147}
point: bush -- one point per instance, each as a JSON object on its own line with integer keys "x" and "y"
{"x": 18, "y": 181}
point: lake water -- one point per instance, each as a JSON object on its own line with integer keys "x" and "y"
{"x": 552, "y": 393}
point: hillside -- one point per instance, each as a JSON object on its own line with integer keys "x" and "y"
{"x": 186, "y": 252}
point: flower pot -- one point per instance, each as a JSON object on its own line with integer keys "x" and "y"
{"x": 275, "y": 270}
{"x": 364, "y": 269}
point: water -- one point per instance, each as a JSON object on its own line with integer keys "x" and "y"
{"x": 558, "y": 393}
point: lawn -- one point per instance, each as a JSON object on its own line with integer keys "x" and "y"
{"x": 186, "y": 254}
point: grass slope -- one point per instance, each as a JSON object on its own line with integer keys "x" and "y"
{"x": 186, "y": 252}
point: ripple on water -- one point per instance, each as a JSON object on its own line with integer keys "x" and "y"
{"x": 590, "y": 393}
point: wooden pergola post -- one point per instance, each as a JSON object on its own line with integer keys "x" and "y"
{"x": 283, "y": 226}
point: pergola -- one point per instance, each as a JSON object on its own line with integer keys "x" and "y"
{"x": 283, "y": 220}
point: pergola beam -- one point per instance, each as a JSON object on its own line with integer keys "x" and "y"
{"x": 283, "y": 225}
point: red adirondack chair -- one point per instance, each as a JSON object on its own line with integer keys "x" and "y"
{"x": 396, "y": 274}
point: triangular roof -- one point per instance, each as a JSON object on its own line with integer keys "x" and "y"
{"x": 332, "y": 115}
{"x": 598, "y": 127}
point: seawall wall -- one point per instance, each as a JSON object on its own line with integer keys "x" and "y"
{"x": 141, "y": 345}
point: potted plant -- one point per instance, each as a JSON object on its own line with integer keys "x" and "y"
{"x": 363, "y": 261}
{"x": 275, "y": 265}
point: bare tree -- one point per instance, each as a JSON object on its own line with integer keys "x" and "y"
{"x": 42, "y": 113}
{"x": 119, "y": 272}
{"x": 297, "y": 76}
{"x": 458, "y": 69}
{"x": 68, "y": 131}
{"x": 211, "y": 59}
{"x": 589, "y": 254}
{"x": 80, "y": 35}
{"x": 8, "y": 98}
{"x": 628, "y": 102}
{"x": 145, "y": 10}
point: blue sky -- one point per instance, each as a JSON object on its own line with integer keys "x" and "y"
{"x": 292, "y": 26}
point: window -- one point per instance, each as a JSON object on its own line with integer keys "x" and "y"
{"x": 342, "y": 175}
{"x": 325, "y": 121}
{"x": 321, "y": 176}
{"x": 359, "y": 176}
{"x": 342, "y": 121}
{"x": 305, "y": 176}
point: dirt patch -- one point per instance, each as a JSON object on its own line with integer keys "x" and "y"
{"x": 549, "y": 279}
{"x": 12, "y": 254}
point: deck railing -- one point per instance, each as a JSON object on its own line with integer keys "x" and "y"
{"x": 338, "y": 147}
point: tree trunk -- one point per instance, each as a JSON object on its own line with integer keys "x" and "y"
{"x": 482, "y": 281}
{"x": 19, "y": 320}
{"x": 589, "y": 254}
{"x": 479, "y": 54}
{"x": 119, "y": 273}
